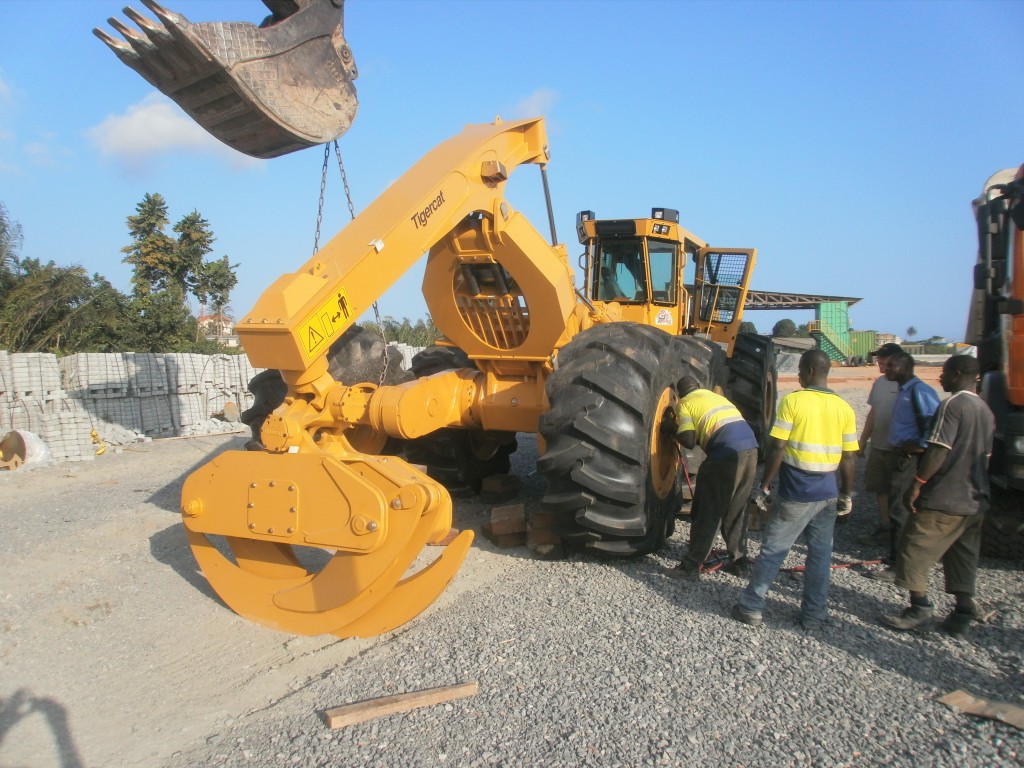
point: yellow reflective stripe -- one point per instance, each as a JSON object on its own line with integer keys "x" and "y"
{"x": 809, "y": 466}
{"x": 828, "y": 450}
{"x": 714, "y": 419}
{"x": 786, "y": 425}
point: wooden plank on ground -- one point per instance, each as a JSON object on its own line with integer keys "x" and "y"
{"x": 962, "y": 701}
{"x": 361, "y": 711}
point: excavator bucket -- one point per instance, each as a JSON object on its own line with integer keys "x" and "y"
{"x": 265, "y": 91}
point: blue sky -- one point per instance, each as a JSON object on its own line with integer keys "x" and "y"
{"x": 844, "y": 141}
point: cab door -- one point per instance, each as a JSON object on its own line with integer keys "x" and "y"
{"x": 722, "y": 279}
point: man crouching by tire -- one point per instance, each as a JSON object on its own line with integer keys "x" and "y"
{"x": 726, "y": 476}
{"x": 815, "y": 434}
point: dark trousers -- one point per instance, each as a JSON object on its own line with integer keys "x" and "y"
{"x": 720, "y": 499}
{"x": 931, "y": 536}
{"x": 903, "y": 471}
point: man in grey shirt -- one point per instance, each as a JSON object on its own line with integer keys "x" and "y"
{"x": 878, "y": 473}
{"x": 947, "y": 500}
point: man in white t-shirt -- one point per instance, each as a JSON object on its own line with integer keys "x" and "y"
{"x": 878, "y": 472}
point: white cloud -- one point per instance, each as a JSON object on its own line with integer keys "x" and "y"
{"x": 155, "y": 127}
{"x": 536, "y": 104}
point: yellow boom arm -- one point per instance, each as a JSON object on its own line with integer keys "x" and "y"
{"x": 312, "y": 489}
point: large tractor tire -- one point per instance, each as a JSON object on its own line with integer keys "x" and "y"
{"x": 459, "y": 459}
{"x": 614, "y": 482}
{"x": 753, "y": 383}
{"x": 357, "y": 356}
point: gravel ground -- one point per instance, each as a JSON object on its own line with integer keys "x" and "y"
{"x": 578, "y": 662}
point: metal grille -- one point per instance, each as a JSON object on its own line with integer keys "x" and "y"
{"x": 491, "y": 305}
{"x": 725, "y": 268}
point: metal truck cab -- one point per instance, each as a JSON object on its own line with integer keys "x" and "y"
{"x": 660, "y": 274}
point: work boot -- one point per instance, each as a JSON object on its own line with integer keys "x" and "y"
{"x": 750, "y": 619}
{"x": 741, "y": 566}
{"x": 683, "y": 572}
{"x": 957, "y": 623}
{"x": 911, "y": 618}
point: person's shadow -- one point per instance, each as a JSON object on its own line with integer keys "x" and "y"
{"x": 22, "y": 704}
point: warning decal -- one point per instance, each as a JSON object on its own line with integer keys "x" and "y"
{"x": 328, "y": 321}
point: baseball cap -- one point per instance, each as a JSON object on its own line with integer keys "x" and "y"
{"x": 887, "y": 350}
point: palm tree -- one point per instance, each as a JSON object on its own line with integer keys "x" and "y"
{"x": 11, "y": 239}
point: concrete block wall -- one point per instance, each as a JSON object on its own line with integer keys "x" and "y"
{"x": 125, "y": 397}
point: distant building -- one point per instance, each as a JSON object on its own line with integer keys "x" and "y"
{"x": 219, "y": 328}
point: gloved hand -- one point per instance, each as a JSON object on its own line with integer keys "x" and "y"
{"x": 844, "y": 507}
{"x": 669, "y": 427}
{"x": 760, "y": 498}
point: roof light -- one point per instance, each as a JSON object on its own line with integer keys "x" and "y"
{"x": 668, "y": 214}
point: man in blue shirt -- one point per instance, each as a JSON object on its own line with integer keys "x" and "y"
{"x": 912, "y": 417}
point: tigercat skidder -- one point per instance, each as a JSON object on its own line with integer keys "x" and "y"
{"x": 318, "y": 529}
{"x": 593, "y": 374}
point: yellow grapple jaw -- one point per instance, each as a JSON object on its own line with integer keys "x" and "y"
{"x": 374, "y": 513}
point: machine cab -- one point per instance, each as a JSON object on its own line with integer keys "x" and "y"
{"x": 660, "y": 274}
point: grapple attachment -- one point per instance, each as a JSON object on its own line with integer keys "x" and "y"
{"x": 317, "y": 543}
{"x": 265, "y": 91}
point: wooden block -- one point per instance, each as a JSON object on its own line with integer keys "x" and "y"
{"x": 361, "y": 711}
{"x": 541, "y": 519}
{"x": 500, "y": 487}
{"x": 538, "y": 536}
{"x": 962, "y": 701}
{"x": 503, "y": 540}
{"x": 510, "y": 519}
{"x": 448, "y": 539}
{"x": 509, "y": 540}
{"x": 549, "y": 551}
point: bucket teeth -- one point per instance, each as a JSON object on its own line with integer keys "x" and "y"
{"x": 265, "y": 90}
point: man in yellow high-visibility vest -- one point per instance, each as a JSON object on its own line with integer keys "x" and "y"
{"x": 813, "y": 449}
{"x": 725, "y": 479}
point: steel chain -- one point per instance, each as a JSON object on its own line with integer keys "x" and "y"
{"x": 352, "y": 215}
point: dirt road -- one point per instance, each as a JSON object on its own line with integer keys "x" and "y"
{"x": 113, "y": 648}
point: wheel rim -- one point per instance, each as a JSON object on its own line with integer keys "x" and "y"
{"x": 664, "y": 461}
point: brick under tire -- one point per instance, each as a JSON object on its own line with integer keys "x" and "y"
{"x": 606, "y": 486}
{"x": 459, "y": 459}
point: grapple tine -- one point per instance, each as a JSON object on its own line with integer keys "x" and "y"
{"x": 413, "y": 595}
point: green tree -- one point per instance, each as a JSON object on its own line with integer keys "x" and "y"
{"x": 151, "y": 253}
{"x": 803, "y": 331}
{"x": 48, "y": 308}
{"x": 784, "y": 328}
{"x": 11, "y": 240}
{"x": 214, "y": 283}
{"x": 160, "y": 323}
{"x": 747, "y": 327}
{"x": 195, "y": 240}
{"x": 165, "y": 271}
{"x": 911, "y": 332}
{"x": 422, "y": 333}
